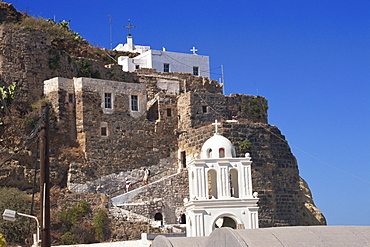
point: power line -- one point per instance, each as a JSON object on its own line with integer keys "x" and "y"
{"x": 312, "y": 156}
{"x": 206, "y": 71}
{"x": 27, "y": 138}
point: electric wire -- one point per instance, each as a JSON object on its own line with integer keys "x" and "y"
{"x": 27, "y": 138}
{"x": 206, "y": 71}
{"x": 279, "y": 137}
{"x": 312, "y": 156}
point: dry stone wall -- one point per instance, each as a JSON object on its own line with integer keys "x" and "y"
{"x": 164, "y": 196}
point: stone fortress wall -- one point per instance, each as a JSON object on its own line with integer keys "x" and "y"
{"x": 179, "y": 111}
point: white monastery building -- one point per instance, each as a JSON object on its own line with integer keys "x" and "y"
{"x": 162, "y": 61}
{"x": 220, "y": 190}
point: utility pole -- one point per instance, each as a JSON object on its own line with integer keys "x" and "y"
{"x": 44, "y": 177}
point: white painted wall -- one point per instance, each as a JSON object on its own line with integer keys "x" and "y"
{"x": 179, "y": 62}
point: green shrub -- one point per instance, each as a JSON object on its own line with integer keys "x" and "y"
{"x": 244, "y": 145}
{"x": 14, "y": 199}
{"x": 2, "y": 240}
{"x": 67, "y": 238}
{"x": 8, "y": 94}
{"x": 72, "y": 216}
{"x": 99, "y": 223}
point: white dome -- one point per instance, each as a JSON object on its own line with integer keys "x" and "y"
{"x": 217, "y": 147}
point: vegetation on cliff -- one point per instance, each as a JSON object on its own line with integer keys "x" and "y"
{"x": 17, "y": 231}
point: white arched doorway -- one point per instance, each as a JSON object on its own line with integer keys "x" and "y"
{"x": 226, "y": 221}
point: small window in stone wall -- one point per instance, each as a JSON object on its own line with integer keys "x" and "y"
{"x": 204, "y": 109}
{"x": 70, "y": 98}
{"x": 108, "y": 100}
{"x": 103, "y": 131}
{"x": 134, "y": 103}
{"x": 137, "y": 66}
{"x": 169, "y": 112}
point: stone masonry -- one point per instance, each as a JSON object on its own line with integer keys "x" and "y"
{"x": 93, "y": 147}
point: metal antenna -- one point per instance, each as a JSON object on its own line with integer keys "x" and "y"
{"x": 110, "y": 31}
{"x": 129, "y": 26}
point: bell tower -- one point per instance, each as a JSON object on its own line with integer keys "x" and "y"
{"x": 221, "y": 192}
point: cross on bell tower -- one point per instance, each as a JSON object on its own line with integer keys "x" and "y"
{"x": 216, "y": 124}
{"x": 129, "y": 26}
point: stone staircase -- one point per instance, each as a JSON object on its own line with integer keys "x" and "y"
{"x": 120, "y": 197}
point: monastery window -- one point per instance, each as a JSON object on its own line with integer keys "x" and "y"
{"x": 166, "y": 67}
{"x": 169, "y": 112}
{"x": 108, "y": 100}
{"x": 204, "y": 109}
{"x": 195, "y": 70}
{"x": 221, "y": 153}
{"x": 134, "y": 103}
{"x": 183, "y": 159}
{"x": 137, "y": 66}
{"x": 70, "y": 98}
{"x": 234, "y": 184}
{"x": 103, "y": 129}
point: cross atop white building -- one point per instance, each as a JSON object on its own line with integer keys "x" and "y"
{"x": 216, "y": 124}
{"x": 161, "y": 60}
{"x": 194, "y": 50}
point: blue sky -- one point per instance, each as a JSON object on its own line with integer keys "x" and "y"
{"x": 310, "y": 59}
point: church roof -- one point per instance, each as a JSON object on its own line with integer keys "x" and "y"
{"x": 277, "y": 236}
{"x": 211, "y": 148}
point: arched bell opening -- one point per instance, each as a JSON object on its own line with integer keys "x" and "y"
{"x": 212, "y": 184}
{"x": 234, "y": 183}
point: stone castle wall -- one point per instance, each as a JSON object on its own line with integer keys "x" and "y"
{"x": 275, "y": 173}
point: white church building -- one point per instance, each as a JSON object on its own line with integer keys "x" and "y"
{"x": 221, "y": 192}
{"x": 162, "y": 61}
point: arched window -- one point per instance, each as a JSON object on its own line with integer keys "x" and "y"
{"x": 183, "y": 219}
{"x": 234, "y": 184}
{"x": 225, "y": 222}
{"x": 209, "y": 153}
{"x": 212, "y": 184}
{"x": 221, "y": 153}
{"x": 158, "y": 217}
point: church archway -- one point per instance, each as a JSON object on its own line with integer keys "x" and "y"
{"x": 225, "y": 221}
{"x": 234, "y": 183}
{"x": 212, "y": 184}
{"x": 158, "y": 217}
{"x": 183, "y": 219}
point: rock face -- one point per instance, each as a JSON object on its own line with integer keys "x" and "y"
{"x": 93, "y": 147}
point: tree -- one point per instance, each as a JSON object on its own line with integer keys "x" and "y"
{"x": 11, "y": 198}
